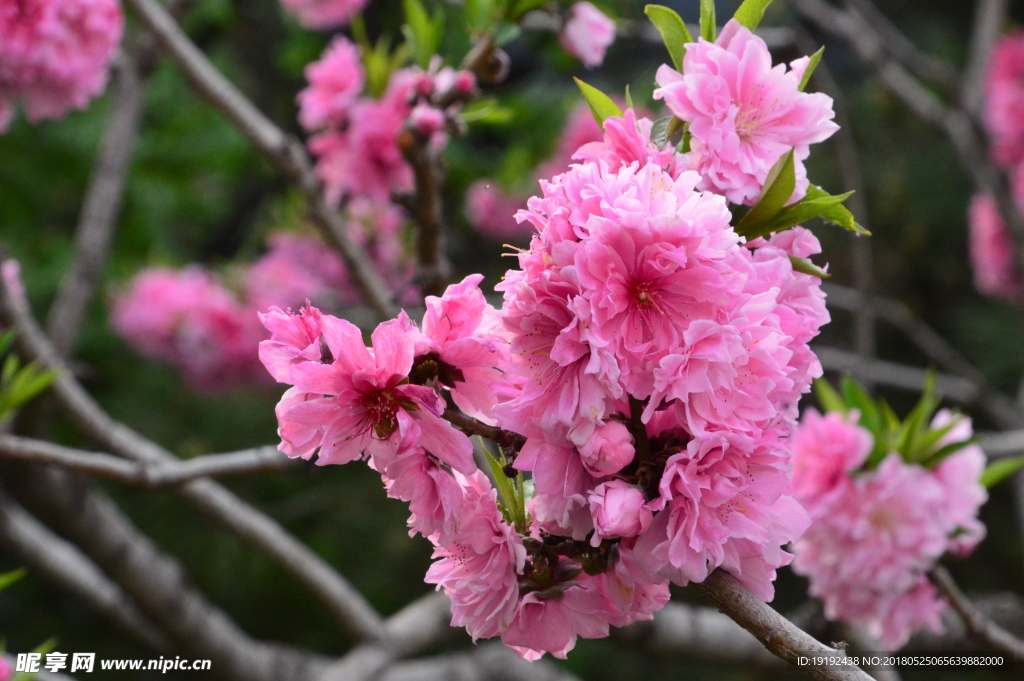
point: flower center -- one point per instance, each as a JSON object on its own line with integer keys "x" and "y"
{"x": 382, "y": 412}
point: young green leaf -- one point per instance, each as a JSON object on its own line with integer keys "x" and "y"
{"x": 673, "y": 32}
{"x": 807, "y": 267}
{"x": 601, "y": 105}
{"x": 751, "y": 12}
{"x": 659, "y": 132}
{"x": 856, "y": 398}
{"x": 506, "y": 492}
{"x": 8, "y": 578}
{"x": 708, "y": 27}
{"x": 828, "y": 398}
{"x": 813, "y": 64}
{"x": 840, "y": 215}
{"x": 998, "y": 470}
{"x": 358, "y": 25}
{"x": 629, "y": 98}
{"x": 778, "y": 189}
{"x": 811, "y": 206}
{"x": 419, "y": 31}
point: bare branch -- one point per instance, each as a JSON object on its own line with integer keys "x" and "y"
{"x": 62, "y": 563}
{"x": 780, "y": 636}
{"x": 425, "y": 206}
{"x": 100, "y": 209}
{"x": 145, "y": 475}
{"x": 977, "y": 624}
{"x": 989, "y": 16}
{"x": 895, "y": 375}
{"x": 501, "y": 437}
{"x": 488, "y": 662}
{"x": 284, "y": 150}
{"x": 348, "y": 605}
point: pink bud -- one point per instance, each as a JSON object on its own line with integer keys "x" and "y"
{"x": 608, "y": 450}
{"x": 424, "y": 85}
{"x": 587, "y": 34}
{"x": 619, "y": 510}
{"x": 426, "y": 120}
{"x": 465, "y": 82}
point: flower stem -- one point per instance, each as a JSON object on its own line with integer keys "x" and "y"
{"x": 639, "y": 430}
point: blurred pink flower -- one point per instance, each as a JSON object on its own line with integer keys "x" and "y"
{"x": 825, "y": 450}
{"x": 992, "y": 251}
{"x": 335, "y": 82}
{"x": 297, "y": 268}
{"x": 55, "y": 54}
{"x": 587, "y": 34}
{"x": 743, "y": 113}
{"x": 6, "y": 668}
{"x": 1004, "y": 99}
{"x": 324, "y": 14}
{"x": 492, "y": 211}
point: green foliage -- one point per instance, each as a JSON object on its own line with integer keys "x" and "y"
{"x": 913, "y": 438}
{"x": 778, "y": 188}
{"x": 9, "y": 578}
{"x": 751, "y": 12}
{"x": 521, "y": 7}
{"x": 422, "y": 32}
{"x": 998, "y": 471}
{"x": 673, "y": 32}
{"x": 43, "y": 648}
{"x": 811, "y": 66}
{"x": 19, "y": 385}
{"x": 601, "y": 105}
{"x": 511, "y": 491}
{"x": 708, "y": 25}
{"x": 807, "y": 267}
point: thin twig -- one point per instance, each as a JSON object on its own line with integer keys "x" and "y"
{"x": 284, "y": 150}
{"x": 145, "y": 475}
{"x": 505, "y": 439}
{"x": 989, "y": 16}
{"x": 895, "y": 375}
{"x": 425, "y": 206}
{"x": 977, "y": 624}
{"x": 348, "y": 605}
{"x": 62, "y": 563}
{"x": 780, "y": 636}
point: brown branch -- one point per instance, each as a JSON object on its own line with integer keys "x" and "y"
{"x": 976, "y": 623}
{"x": 506, "y": 439}
{"x": 63, "y": 564}
{"x": 145, "y": 475}
{"x": 100, "y": 209}
{"x": 780, "y": 636}
{"x": 284, "y": 150}
{"x": 427, "y": 210}
{"x": 989, "y": 17}
{"x": 347, "y": 604}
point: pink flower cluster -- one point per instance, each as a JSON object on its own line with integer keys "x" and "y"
{"x": 356, "y": 140}
{"x": 875, "y": 533}
{"x": 188, "y": 318}
{"x": 324, "y": 14}
{"x": 743, "y": 113}
{"x": 992, "y": 251}
{"x": 644, "y": 371}
{"x": 55, "y": 54}
{"x": 587, "y": 34}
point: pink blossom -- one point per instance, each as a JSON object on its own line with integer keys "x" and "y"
{"x": 825, "y": 450}
{"x": 562, "y": 487}
{"x": 992, "y": 251}
{"x": 463, "y": 345}
{"x": 479, "y": 570}
{"x": 324, "y": 14}
{"x": 587, "y": 34}
{"x": 297, "y": 268}
{"x": 6, "y": 668}
{"x": 619, "y": 510}
{"x": 365, "y": 403}
{"x": 335, "y": 82}
{"x": 627, "y": 140}
{"x": 188, "y": 319}
{"x": 960, "y": 475}
{"x": 743, "y": 113}
{"x": 294, "y": 338}
{"x": 1004, "y": 99}
{"x": 426, "y": 120}
{"x": 608, "y": 450}
{"x": 55, "y": 54}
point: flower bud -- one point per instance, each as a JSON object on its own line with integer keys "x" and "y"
{"x": 608, "y": 450}
{"x": 426, "y": 120}
{"x": 619, "y": 510}
{"x": 465, "y": 82}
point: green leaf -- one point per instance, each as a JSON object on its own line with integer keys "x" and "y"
{"x": 487, "y": 111}
{"x": 815, "y": 58}
{"x": 507, "y": 33}
{"x": 828, "y": 398}
{"x": 659, "y": 132}
{"x": 778, "y": 189}
{"x": 998, "y": 470}
{"x": 807, "y": 267}
{"x": 708, "y": 27}
{"x": 751, "y": 12}
{"x": 505, "y": 489}
{"x": 839, "y": 215}
{"x": 813, "y": 205}
{"x": 419, "y": 32}
{"x": 601, "y": 105}
{"x": 951, "y": 448}
{"x": 629, "y": 98}
{"x": 8, "y": 578}
{"x": 916, "y": 423}
{"x": 523, "y": 6}
{"x": 856, "y": 398}
{"x": 6, "y": 340}
{"x": 673, "y": 32}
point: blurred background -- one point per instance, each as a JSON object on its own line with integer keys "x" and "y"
{"x": 199, "y": 193}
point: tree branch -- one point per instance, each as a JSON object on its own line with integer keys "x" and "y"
{"x": 284, "y": 150}
{"x": 975, "y": 622}
{"x": 425, "y": 206}
{"x": 348, "y": 605}
{"x": 62, "y": 563}
{"x": 780, "y": 636}
{"x": 989, "y": 16}
{"x": 145, "y": 475}
{"x": 506, "y": 439}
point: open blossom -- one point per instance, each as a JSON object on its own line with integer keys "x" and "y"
{"x": 1004, "y": 99}
{"x": 744, "y": 114}
{"x": 627, "y": 140}
{"x": 55, "y": 54}
{"x": 335, "y": 82}
{"x": 991, "y": 248}
{"x": 323, "y": 14}
{"x": 587, "y": 34}
{"x": 876, "y": 533}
